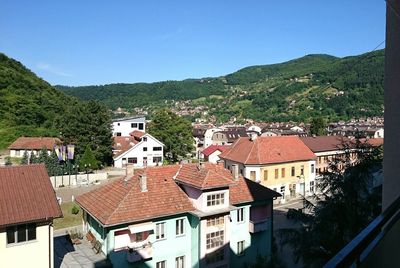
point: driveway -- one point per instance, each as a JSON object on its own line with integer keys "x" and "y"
{"x": 67, "y": 255}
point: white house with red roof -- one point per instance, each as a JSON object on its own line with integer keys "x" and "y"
{"x": 28, "y": 206}
{"x": 139, "y": 149}
{"x": 32, "y": 145}
{"x": 192, "y": 215}
{"x": 212, "y": 152}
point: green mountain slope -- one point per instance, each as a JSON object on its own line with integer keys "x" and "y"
{"x": 28, "y": 104}
{"x": 337, "y": 88}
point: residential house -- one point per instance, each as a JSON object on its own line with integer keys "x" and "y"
{"x": 124, "y": 126}
{"x": 181, "y": 216}
{"x": 282, "y": 163}
{"x": 139, "y": 149}
{"x": 208, "y": 136}
{"x": 212, "y": 152}
{"x": 28, "y": 206}
{"x": 32, "y": 145}
{"x": 228, "y": 136}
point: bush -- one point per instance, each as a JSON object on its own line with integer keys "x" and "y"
{"x": 75, "y": 210}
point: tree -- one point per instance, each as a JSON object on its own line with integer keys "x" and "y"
{"x": 32, "y": 158}
{"x": 318, "y": 126}
{"x": 88, "y": 124}
{"x": 345, "y": 206}
{"x": 88, "y": 159}
{"x": 174, "y": 131}
{"x": 8, "y": 161}
{"x": 25, "y": 158}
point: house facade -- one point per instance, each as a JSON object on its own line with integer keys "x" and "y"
{"x": 281, "y": 163}
{"x": 138, "y": 150}
{"x": 32, "y": 145}
{"x": 26, "y": 231}
{"x": 212, "y": 152}
{"x": 181, "y": 216}
{"x": 124, "y": 126}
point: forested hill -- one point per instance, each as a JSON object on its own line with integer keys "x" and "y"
{"x": 28, "y": 104}
{"x": 337, "y": 88}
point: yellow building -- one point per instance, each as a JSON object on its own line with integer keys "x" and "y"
{"x": 282, "y": 163}
{"x": 28, "y": 206}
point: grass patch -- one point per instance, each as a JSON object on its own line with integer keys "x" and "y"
{"x": 69, "y": 219}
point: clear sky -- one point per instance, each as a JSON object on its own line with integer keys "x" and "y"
{"x": 85, "y": 42}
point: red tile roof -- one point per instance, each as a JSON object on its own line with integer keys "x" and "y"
{"x": 268, "y": 150}
{"x": 26, "y": 195}
{"x": 212, "y": 148}
{"x": 374, "y": 142}
{"x": 123, "y": 144}
{"x": 120, "y": 201}
{"x": 204, "y": 176}
{"x": 137, "y": 134}
{"x": 325, "y": 143}
{"x": 34, "y": 143}
{"x": 123, "y": 202}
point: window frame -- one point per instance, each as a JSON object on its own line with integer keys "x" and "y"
{"x": 240, "y": 248}
{"x": 160, "y": 235}
{"x": 180, "y": 262}
{"x": 240, "y": 215}
{"x": 276, "y": 173}
{"x": 180, "y": 229}
{"x": 217, "y": 198}
{"x": 293, "y": 171}
{"x": 157, "y": 148}
{"x": 265, "y": 173}
{"x": 212, "y": 236}
{"x": 161, "y": 264}
{"x": 20, "y": 237}
{"x": 283, "y": 172}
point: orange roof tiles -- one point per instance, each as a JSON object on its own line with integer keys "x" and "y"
{"x": 268, "y": 150}
{"x": 34, "y": 143}
{"x": 137, "y": 134}
{"x": 204, "y": 176}
{"x": 212, "y": 148}
{"x": 123, "y": 144}
{"x": 326, "y": 143}
{"x": 123, "y": 202}
{"x": 26, "y": 195}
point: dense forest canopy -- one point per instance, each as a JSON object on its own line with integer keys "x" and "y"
{"x": 297, "y": 90}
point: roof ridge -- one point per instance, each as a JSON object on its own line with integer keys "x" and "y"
{"x": 122, "y": 200}
{"x": 251, "y": 150}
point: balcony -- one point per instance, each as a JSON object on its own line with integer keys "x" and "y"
{"x": 258, "y": 226}
{"x": 139, "y": 253}
{"x": 375, "y": 246}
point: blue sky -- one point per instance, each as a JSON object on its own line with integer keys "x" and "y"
{"x": 99, "y": 42}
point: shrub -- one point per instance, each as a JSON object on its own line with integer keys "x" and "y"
{"x": 75, "y": 210}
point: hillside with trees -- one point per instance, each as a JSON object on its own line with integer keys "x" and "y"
{"x": 31, "y": 107}
{"x": 297, "y": 90}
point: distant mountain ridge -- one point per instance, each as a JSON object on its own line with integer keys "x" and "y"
{"x": 297, "y": 90}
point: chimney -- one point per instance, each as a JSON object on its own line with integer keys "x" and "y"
{"x": 143, "y": 182}
{"x": 235, "y": 172}
{"x": 253, "y": 136}
{"x": 200, "y": 166}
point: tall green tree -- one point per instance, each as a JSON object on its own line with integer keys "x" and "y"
{"x": 88, "y": 124}
{"x": 318, "y": 126}
{"x": 174, "y": 131}
{"x": 88, "y": 159}
{"x": 25, "y": 158}
{"x": 345, "y": 205}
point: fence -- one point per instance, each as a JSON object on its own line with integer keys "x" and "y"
{"x": 78, "y": 179}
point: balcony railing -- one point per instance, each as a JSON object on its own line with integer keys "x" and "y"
{"x": 374, "y": 244}
{"x": 143, "y": 252}
{"x": 258, "y": 226}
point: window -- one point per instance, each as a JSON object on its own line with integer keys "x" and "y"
{"x": 215, "y": 256}
{"x": 157, "y": 159}
{"x": 133, "y": 125}
{"x": 118, "y": 134}
{"x": 240, "y": 213}
{"x": 312, "y": 186}
{"x": 240, "y": 248}
{"x": 312, "y": 168}
{"x": 276, "y": 173}
{"x": 144, "y": 149}
{"x": 160, "y": 230}
{"x": 144, "y": 161}
{"x": 302, "y": 170}
{"x": 139, "y": 237}
{"x": 214, "y": 239}
{"x": 293, "y": 171}
{"x": 141, "y": 126}
{"x": 215, "y": 221}
{"x": 21, "y": 233}
{"x": 215, "y": 199}
{"x": 252, "y": 175}
{"x": 180, "y": 262}
{"x": 118, "y": 124}
{"x": 159, "y": 148}
{"x": 283, "y": 172}
{"x": 161, "y": 264}
{"x": 265, "y": 175}
{"x": 180, "y": 227}
{"x": 17, "y": 153}
{"x": 144, "y": 138}
{"x": 132, "y": 160}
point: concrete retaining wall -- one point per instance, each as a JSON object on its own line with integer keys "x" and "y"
{"x": 77, "y": 180}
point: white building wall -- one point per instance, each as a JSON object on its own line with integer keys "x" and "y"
{"x": 124, "y": 127}
{"x": 208, "y": 136}
{"x": 214, "y": 157}
{"x": 20, "y": 153}
{"x": 33, "y": 253}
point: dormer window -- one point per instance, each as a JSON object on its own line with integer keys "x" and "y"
{"x": 215, "y": 199}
